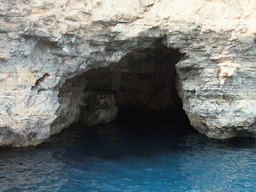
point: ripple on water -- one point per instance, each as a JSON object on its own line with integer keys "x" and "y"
{"x": 93, "y": 161}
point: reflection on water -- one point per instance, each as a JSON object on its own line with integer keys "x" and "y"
{"x": 116, "y": 157}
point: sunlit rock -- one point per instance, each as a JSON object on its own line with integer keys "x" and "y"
{"x": 48, "y": 50}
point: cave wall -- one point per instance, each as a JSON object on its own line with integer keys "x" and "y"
{"x": 45, "y": 44}
{"x": 142, "y": 80}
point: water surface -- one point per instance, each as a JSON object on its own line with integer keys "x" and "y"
{"x": 120, "y": 157}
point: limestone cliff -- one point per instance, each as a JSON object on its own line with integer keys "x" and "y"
{"x": 50, "y": 49}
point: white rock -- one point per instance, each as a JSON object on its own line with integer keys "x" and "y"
{"x": 216, "y": 79}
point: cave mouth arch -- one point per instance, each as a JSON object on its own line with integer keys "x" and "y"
{"x": 138, "y": 91}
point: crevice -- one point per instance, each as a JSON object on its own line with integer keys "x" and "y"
{"x": 40, "y": 80}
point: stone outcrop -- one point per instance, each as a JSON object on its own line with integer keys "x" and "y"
{"x": 56, "y": 56}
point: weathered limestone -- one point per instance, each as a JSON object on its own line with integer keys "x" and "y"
{"x": 45, "y": 44}
{"x": 143, "y": 79}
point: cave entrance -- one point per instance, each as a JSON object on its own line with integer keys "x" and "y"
{"x": 138, "y": 91}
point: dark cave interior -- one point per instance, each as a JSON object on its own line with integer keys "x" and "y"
{"x": 143, "y": 85}
{"x": 139, "y": 92}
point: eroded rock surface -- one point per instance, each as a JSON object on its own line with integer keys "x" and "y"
{"x": 45, "y": 44}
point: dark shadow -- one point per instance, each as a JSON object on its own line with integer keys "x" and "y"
{"x": 133, "y": 133}
{"x": 174, "y": 122}
{"x": 150, "y": 117}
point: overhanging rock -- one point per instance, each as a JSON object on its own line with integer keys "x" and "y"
{"x": 48, "y": 48}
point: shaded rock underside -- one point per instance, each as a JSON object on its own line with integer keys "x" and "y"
{"x": 70, "y": 60}
{"x": 143, "y": 81}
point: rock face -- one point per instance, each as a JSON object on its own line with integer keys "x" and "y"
{"x": 70, "y": 60}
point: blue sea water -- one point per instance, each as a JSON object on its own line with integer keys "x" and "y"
{"x": 116, "y": 157}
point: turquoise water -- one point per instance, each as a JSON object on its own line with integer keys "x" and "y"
{"x": 119, "y": 157}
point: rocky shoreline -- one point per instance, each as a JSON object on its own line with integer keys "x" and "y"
{"x": 82, "y": 60}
